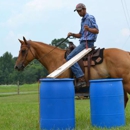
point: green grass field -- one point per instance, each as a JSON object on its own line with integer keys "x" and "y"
{"x": 21, "y": 112}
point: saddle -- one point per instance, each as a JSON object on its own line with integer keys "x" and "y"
{"x": 93, "y": 58}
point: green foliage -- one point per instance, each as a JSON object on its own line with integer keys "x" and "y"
{"x": 56, "y": 42}
{"x": 8, "y": 75}
{"x": 6, "y": 67}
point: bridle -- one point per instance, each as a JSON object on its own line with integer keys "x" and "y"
{"x": 29, "y": 49}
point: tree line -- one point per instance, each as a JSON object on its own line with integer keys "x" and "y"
{"x": 31, "y": 74}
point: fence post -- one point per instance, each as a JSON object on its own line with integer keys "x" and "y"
{"x": 18, "y": 87}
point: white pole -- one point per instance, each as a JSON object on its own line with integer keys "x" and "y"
{"x": 68, "y": 64}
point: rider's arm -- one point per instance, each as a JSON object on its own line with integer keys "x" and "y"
{"x": 78, "y": 35}
{"x": 92, "y": 30}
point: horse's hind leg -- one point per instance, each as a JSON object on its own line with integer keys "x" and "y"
{"x": 126, "y": 85}
{"x": 125, "y": 98}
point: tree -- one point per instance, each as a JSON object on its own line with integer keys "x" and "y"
{"x": 63, "y": 45}
{"x": 8, "y": 75}
{"x": 6, "y": 67}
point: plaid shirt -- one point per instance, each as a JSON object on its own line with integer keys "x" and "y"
{"x": 90, "y": 21}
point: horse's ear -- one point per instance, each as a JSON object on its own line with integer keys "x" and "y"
{"x": 21, "y": 41}
{"x": 25, "y": 41}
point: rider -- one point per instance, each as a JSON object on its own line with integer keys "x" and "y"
{"x": 88, "y": 35}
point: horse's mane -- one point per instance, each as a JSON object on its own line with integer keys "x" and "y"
{"x": 47, "y": 45}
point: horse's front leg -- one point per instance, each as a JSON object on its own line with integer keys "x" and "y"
{"x": 125, "y": 98}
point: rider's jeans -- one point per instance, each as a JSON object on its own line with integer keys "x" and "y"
{"x": 76, "y": 68}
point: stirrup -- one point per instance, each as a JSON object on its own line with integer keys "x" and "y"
{"x": 81, "y": 84}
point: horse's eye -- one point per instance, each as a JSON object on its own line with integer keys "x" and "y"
{"x": 23, "y": 52}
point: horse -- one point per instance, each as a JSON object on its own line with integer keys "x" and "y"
{"x": 116, "y": 62}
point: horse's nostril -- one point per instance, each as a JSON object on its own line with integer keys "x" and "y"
{"x": 15, "y": 67}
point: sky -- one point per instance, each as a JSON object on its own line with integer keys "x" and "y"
{"x": 46, "y": 20}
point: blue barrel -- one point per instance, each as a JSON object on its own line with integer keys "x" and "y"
{"x": 107, "y": 103}
{"x": 57, "y": 110}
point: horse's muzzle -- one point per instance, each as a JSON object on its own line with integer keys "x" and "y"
{"x": 19, "y": 67}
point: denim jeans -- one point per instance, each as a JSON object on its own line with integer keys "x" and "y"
{"x": 76, "y": 68}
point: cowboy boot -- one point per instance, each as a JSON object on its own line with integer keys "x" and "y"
{"x": 81, "y": 82}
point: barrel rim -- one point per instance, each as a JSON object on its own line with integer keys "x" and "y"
{"x": 106, "y": 80}
{"x": 56, "y": 79}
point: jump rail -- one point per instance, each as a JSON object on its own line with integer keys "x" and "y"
{"x": 68, "y": 64}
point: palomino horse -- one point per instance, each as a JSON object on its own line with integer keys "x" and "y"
{"x": 116, "y": 63}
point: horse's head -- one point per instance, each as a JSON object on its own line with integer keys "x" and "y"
{"x": 26, "y": 55}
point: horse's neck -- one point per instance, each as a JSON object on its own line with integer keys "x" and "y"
{"x": 48, "y": 58}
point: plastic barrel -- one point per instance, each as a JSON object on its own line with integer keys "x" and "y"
{"x": 107, "y": 103}
{"x": 57, "y": 109}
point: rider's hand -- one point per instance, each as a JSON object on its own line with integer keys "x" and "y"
{"x": 70, "y": 34}
{"x": 86, "y": 27}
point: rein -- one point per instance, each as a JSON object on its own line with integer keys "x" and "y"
{"x": 53, "y": 48}
{"x": 86, "y": 32}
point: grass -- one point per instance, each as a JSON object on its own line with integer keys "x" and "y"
{"x": 83, "y": 116}
{"x": 21, "y": 112}
{"x": 22, "y": 88}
